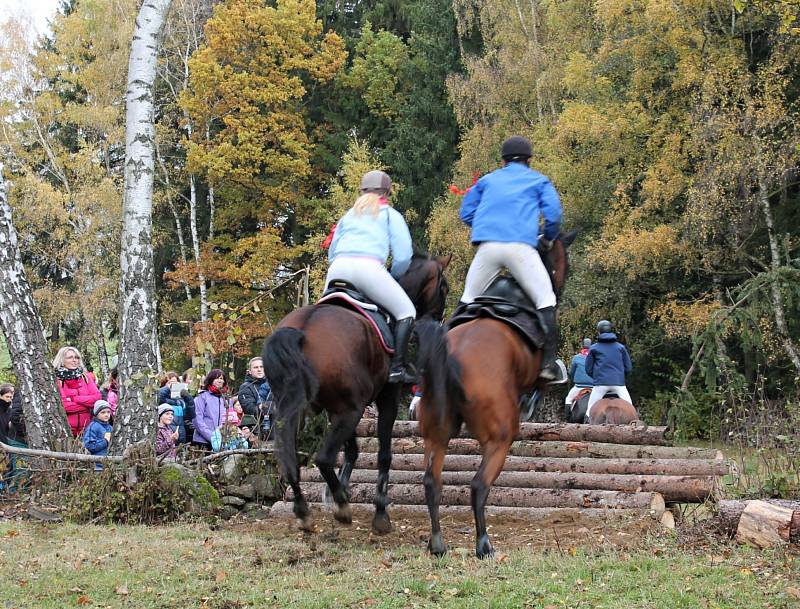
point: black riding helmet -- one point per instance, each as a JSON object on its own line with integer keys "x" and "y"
{"x": 604, "y": 326}
{"x": 516, "y": 147}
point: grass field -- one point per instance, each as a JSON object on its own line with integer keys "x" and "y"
{"x": 268, "y": 564}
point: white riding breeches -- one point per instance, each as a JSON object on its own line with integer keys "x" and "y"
{"x": 573, "y": 393}
{"x": 374, "y": 281}
{"x": 600, "y": 391}
{"x": 522, "y": 261}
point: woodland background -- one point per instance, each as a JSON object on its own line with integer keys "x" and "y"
{"x": 669, "y": 127}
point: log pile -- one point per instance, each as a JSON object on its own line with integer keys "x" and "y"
{"x": 763, "y": 524}
{"x": 551, "y": 468}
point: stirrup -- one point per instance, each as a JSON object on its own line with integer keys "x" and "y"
{"x": 405, "y": 375}
{"x": 555, "y": 377}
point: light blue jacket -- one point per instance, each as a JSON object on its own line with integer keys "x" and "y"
{"x": 505, "y": 206}
{"x": 375, "y": 237}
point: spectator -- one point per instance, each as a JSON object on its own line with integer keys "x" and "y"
{"x": 229, "y": 437}
{"x": 18, "y": 418}
{"x": 182, "y": 405}
{"x": 8, "y": 433}
{"x": 97, "y": 436}
{"x": 210, "y": 408}
{"x": 166, "y": 436}
{"x": 190, "y": 378}
{"x": 112, "y": 390}
{"x": 78, "y": 391}
{"x": 255, "y": 396}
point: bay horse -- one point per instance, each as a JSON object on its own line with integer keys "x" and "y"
{"x": 613, "y": 410}
{"x": 475, "y": 374}
{"x": 328, "y": 357}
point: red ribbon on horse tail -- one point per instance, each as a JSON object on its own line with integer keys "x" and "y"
{"x": 458, "y": 191}
{"x": 329, "y": 239}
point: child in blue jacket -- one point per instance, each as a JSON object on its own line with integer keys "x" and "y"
{"x": 97, "y": 435}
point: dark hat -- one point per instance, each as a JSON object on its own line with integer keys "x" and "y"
{"x": 99, "y": 406}
{"x": 516, "y": 146}
{"x": 604, "y": 326}
{"x": 376, "y": 181}
{"x": 165, "y": 408}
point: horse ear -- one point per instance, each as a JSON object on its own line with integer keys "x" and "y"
{"x": 444, "y": 260}
{"x": 569, "y": 237}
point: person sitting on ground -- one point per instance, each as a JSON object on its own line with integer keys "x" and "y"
{"x": 608, "y": 363}
{"x": 361, "y": 244}
{"x": 210, "y": 408}
{"x": 503, "y": 209}
{"x": 166, "y": 436}
{"x": 97, "y": 435}
{"x": 78, "y": 391}
{"x": 255, "y": 397}
{"x": 577, "y": 372}
{"x": 182, "y": 404}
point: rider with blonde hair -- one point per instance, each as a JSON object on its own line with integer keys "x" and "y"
{"x": 361, "y": 244}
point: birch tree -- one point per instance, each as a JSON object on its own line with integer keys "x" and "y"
{"x": 139, "y": 357}
{"x": 44, "y": 416}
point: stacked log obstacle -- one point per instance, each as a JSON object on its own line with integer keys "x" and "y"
{"x": 552, "y": 469}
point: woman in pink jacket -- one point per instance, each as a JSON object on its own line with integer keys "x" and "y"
{"x": 78, "y": 391}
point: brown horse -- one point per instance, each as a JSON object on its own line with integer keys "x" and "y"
{"x": 613, "y": 411}
{"x": 475, "y": 374}
{"x": 327, "y": 357}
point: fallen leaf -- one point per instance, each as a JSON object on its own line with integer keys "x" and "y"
{"x": 12, "y": 533}
{"x": 76, "y": 590}
{"x": 793, "y": 592}
{"x": 572, "y": 551}
{"x": 83, "y": 599}
{"x": 221, "y": 575}
{"x": 501, "y": 558}
{"x": 122, "y": 590}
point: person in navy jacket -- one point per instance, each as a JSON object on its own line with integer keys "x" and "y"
{"x": 577, "y": 372}
{"x": 608, "y": 363}
{"x": 504, "y": 209}
{"x": 361, "y": 244}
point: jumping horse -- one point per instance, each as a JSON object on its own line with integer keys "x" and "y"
{"x": 475, "y": 374}
{"x": 328, "y": 357}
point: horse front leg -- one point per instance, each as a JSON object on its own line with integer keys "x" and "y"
{"x": 387, "y": 402}
{"x": 342, "y": 428}
{"x": 494, "y": 457}
{"x": 350, "y": 457}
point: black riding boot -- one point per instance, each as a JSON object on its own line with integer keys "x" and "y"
{"x": 399, "y": 373}
{"x": 553, "y": 371}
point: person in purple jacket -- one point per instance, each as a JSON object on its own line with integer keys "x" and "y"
{"x": 210, "y": 408}
{"x": 504, "y": 209}
{"x": 608, "y": 363}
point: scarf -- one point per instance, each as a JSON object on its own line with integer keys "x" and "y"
{"x": 584, "y": 351}
{"x": 217, "y": 392}
{"x": 65, "y": 374}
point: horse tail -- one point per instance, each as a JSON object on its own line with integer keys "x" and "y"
{"x": 442, "y": 388}
{"x": 294, "y": 384}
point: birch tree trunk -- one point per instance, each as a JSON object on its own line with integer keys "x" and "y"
{"x": 139, "y": 357}
{"x": 46, "y": 422}
{"x": 775, "y": 263}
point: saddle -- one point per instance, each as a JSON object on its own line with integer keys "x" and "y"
{"x": 505, "y": 301}
{"x": 345, "y": 294}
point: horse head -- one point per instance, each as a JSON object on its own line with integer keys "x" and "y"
{"x": 556, "y": 261}
{"x": 426, "y": 285}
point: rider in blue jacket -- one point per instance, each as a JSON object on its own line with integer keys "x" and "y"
{"x": 608, "y": 363}
{"x": 361, "y": 244}
{"x": 577, "y": 372}
{"x": 504, "y": 209}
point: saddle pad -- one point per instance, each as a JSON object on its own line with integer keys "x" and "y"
{"x": 526, "y": 323}
{"x": 369, "y": 311}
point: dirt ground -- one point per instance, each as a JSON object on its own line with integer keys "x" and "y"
{"x": 550, "y": 532}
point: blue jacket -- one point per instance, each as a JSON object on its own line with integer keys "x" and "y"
{"x": 183, "y": 411}
{"x": 577, "y": 371}
{"x": 93, "y": 437}
{"x": 505, "y": 205}
{"x": 374, "y": 236}
{"x": 608, "y": 361}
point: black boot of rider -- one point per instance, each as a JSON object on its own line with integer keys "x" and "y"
{"x": 399, "y": 373}
{"x": 551, "y": 371}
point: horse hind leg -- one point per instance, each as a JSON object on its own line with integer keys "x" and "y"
{"x": 342, "y": 429}
{"x": 387, "y": 403}
{"x": 435, "y": 452}
{"x": 494, "y": 457}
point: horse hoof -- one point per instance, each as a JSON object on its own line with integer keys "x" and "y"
{"x": 305, "y": 524}
{"x": 343, "y": 513}
{"x": 484, "y": 549}
{"x": 381, "y": 524}
{"x": 437, "y": 546}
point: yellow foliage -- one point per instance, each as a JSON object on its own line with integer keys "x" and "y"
{"x": 683, "y": 319}
{"x": 636, "y": 252}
